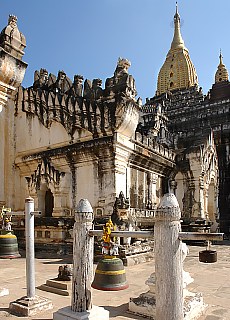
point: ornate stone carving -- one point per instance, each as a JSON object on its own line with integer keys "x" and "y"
{"x": 77, "y": 86}
{"x": 12, "y": 68}
{"x": 11, "y": 39}
{"x": 57, "y": 99}
{"x": 45, "y": 170}
{"x": 40, "y": 79}
{"x": 121, "y": 81}
{"x": 62, "y": 84}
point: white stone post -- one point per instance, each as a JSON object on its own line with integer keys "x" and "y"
{"x": 30, "y": 268}
{"x": 168, "y": 260}
{"x": 82, "y": 258}
{"x": 31, "y": 304}
{"x": 81, "y": 302}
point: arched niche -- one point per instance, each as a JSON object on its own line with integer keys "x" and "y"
{"x": 45, "y": 201}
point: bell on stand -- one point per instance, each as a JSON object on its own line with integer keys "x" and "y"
{"x": 110, "y": 273}
{"x": 8, "y": 241}
{"x": 208, "y": 255}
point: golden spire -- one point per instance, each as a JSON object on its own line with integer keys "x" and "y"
{"x": 178, "y": 71}
{"x": 177, "y": 39}
{"x": 222, "y": 72}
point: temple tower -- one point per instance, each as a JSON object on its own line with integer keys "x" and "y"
{"x": 222, "y": 72}
{"x": 178, "y": 71}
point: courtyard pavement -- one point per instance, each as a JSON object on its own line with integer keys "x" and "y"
{"x": 212, "y": 280}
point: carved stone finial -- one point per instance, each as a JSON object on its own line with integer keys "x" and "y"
{"x": 123, "y": 64}
{"x": 96, "y": 86}
{"x": 62, "y": 84}
{"x": 40, "y": 79}
{"x": 77, "y": 86}
{"x": 11, "y": 39}
{"x": 12, "y": 20}
{"x": 78, "y": 78}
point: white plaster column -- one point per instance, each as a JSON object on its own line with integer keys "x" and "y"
{"x": 3, "y": 156}
{"x": 30, "y": 267}
{"x": 31, "y": 304}
{"x": 128, "y": 182}
{"x": 136, "y": 189}
{"x": 168, "y": 260}
{"x": 81, "y": 301}
{"x": 82, "y": 258}
{"x": 153, "y": 188}
{"x": 201, "y": 197}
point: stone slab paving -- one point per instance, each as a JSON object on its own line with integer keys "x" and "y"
{"x": 213, "y": 280}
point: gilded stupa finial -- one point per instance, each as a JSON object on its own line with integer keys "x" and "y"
{"x": 222, "y": 72}
{"x": 221, "y": 57}
{"x": 177, "y": 13}
{"x": 177, "y": 42}
{"x": 178, "y": 71}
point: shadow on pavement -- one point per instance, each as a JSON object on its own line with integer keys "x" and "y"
{"x": 121, "y": 310}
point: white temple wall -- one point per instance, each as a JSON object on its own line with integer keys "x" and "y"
{"x": 3, "y": 155}
{"x": 179, "y": 191}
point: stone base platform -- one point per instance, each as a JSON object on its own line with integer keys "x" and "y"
{"x": 29, "y": 306}
{"x": 56, "y": 286}
{"x": 4, "y": 292}
{"x": 145, "y": 305}
{"x": 194, "y": 306}
{"x": 96, "y": 313}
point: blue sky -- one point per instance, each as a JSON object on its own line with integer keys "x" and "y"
{"x": 87, "y": 36}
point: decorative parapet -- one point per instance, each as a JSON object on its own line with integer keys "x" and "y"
{"x": 12, "y": 68}
{"x": 77, "y": 106}
{"x": 148, "y": 145}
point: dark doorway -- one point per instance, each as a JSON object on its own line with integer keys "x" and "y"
{"x": 49, "y": 203}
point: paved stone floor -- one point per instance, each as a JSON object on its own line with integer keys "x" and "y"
{"x": 212, "y": 280}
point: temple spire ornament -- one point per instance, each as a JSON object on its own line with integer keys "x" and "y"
{"x": 222, "y": 72}
{"x": 177, "y": 42}
{"x": 178, "y": 71}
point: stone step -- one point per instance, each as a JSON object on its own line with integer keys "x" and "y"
{"x": 64, "y": 285}
{"x": 59, "y": 287}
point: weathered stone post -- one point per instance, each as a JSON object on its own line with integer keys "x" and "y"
{"x": 82, "y": 258}
{"x": 30, "y": 268}
{"x": 168, "y": 260}
{"x": 81, "y": 302}
{"x": 31, "y": 304}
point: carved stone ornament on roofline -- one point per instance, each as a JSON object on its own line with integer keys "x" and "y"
{"x": 45, "y": 172}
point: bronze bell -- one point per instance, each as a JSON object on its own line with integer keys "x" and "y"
{"x": 110, "y": 272}
{"x": 8, "y": 245}
{"x": 208, "y": 255}
{"x": 110, "y": 275}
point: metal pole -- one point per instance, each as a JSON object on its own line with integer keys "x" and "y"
{"x": 30, "y": 269}
{"x": 201, "y": 236}
{"x": 133, "y": 234}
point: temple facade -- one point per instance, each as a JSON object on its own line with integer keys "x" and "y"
{"x": 63, "y": 140}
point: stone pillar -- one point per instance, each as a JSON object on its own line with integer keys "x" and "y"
{"x": 168, "y": 297}
{"x": 30, "y": 267}
{"x": 153, "y": 183}
{"x": 201, "y": 197}
{"x": 82, "y": 258}
{"x": 168, "y": 260}
{"x": 81, "y": 302}
{"x": 31, "y": 304}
